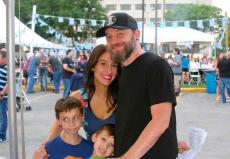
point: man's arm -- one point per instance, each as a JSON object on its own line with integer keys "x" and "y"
{"x": 161, "y": 114}
{"x": 65, "y": 67}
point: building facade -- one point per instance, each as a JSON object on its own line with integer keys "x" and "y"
{"x": 134, "y": 7}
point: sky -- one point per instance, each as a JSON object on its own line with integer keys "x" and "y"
{"x": 223, "y": 4}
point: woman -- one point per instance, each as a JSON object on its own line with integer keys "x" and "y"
{"x": 100, "y": 95}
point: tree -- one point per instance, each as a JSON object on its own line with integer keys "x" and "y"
{"x": 184, "y": 12}
{"x": 90, "y": 9}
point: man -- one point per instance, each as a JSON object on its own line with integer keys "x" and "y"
{"x": 68, "y": 70}
{"x": 224, "y": 75}
{"x": 3, "y": 95}
{"x": 146, "y": 122}
{"x": 176, "y": 64}
{"x": 56, "y": 69}
{"x": 32, "y": 70}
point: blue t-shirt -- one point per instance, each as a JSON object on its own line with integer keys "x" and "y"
{"x": 185, "y": 62}
{"x": 58, "y": 149}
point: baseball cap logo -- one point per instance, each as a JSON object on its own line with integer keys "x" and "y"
{"x": 111, "y": 20}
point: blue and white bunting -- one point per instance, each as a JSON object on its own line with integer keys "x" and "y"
{"x": 71, "y": 21}
{"x": 60, "y": 19}
{"x": 162, "y": 24}
{"x": 139, "y": 25}
{"x": 211, "y": 22}
{"x": 174, "y": 24}
{"x": 82, "y": 21}
{"x": 186, "y": 24}
{"x": 200, "y": 24}
{"x": 93, "y": 22}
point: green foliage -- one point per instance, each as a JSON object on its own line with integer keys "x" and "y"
{"x": 193, "y": 12}
{"x": 85, "y": 9}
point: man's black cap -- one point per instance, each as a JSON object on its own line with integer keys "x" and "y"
{"x": 118, "y": 21}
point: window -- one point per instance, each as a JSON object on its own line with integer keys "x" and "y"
{"x": 140, "y": 19}
{"x": 153, "y": 6}
{"x": 125, "y": 6}
{"x": 170, "y": 6}
{"x": 139, "y": 6}
{"x": 110, "y": 7}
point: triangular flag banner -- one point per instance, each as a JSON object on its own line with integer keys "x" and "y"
{"x": 200, "y": 24}
{"x": 93, "y": 22}
{"x": 187, "y": 24}
{"x": 71, "y": 21}
{"x": 60, "y": 19}
{"x": 46, "y": 16}
{"x": 139, "y": 24}
{"x": 82, "y": 21}
{"x": 211, "y": 22}
{"x": 174, "y": 24}
{"x": 162, "y": 24}
{"x": 42, "y": 23}
{"x": 103, "y": 22}
{"x": 224, "y": 21}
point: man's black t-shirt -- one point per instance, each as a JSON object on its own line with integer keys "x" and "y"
{"x": 224, "y": 68}
{"x": 145, "y": 82}
{"x": 69, "y": 62}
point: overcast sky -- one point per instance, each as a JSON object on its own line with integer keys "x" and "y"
{"x": 223, "y": 4}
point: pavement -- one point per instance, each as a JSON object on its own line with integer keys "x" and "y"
{"x": 193, "y": 110}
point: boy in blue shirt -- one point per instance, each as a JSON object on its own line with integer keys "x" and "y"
{"x": 69, "y": 144}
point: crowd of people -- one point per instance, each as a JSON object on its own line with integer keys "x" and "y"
{"x": 183, "y": 64}
{"x": 126, "y": 104}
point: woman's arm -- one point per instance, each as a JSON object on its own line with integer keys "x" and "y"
{"x": 55, "y": 130}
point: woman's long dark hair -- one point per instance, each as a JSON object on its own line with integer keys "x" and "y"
{"x": 89, "y": 75}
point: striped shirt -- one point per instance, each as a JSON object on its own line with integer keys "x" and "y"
{"x": 3, "y": 77}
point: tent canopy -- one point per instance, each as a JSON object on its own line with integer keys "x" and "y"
{"x": 23, "y": 34}
{"x": 171, "y": 34}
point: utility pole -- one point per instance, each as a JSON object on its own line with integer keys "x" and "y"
{"x": 143, "y": 21}
{"x": 156, "y": 23}
{"x": 10, "y": 43}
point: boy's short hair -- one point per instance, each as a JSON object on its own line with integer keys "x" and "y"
{"x": 109, "y": 128}
{"x": 3, "y": 53}
{"x": 66, "y": 104}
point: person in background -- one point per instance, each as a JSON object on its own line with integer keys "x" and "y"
{"x": 32, "y": 71}
{"x": 77, "y": 80}
{"x": 82, "y": 61}
{"x": 43, "y": 71}
{"x": 56, "y": 69}
{"x": 176, "y": 65}
{"x": 185, "y": 69}
{"x": 224, "y": 75}
{"x": 3, "y": 95}
{"x": 68, "y": 70}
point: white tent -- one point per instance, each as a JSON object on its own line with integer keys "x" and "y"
{"x": 171, "y": 34}
{"x": 23, "y": 34}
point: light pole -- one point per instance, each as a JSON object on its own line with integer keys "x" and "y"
{"x": 143, "y": 21}
{"x": 156, "y": 23}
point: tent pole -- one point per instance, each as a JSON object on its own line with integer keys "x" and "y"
{"x": 10, "y": 35}
{"x": 32, "y": 28}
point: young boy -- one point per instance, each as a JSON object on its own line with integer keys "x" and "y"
{"x": 103, "y": 142}
{"x": 69, "y": 144}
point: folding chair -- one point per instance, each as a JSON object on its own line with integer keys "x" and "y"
{"x": 195, "y": 76}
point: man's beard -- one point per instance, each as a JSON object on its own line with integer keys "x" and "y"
{"x": 120, "y": 57}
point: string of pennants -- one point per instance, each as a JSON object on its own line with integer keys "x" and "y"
{"x": 94, "y": 22}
